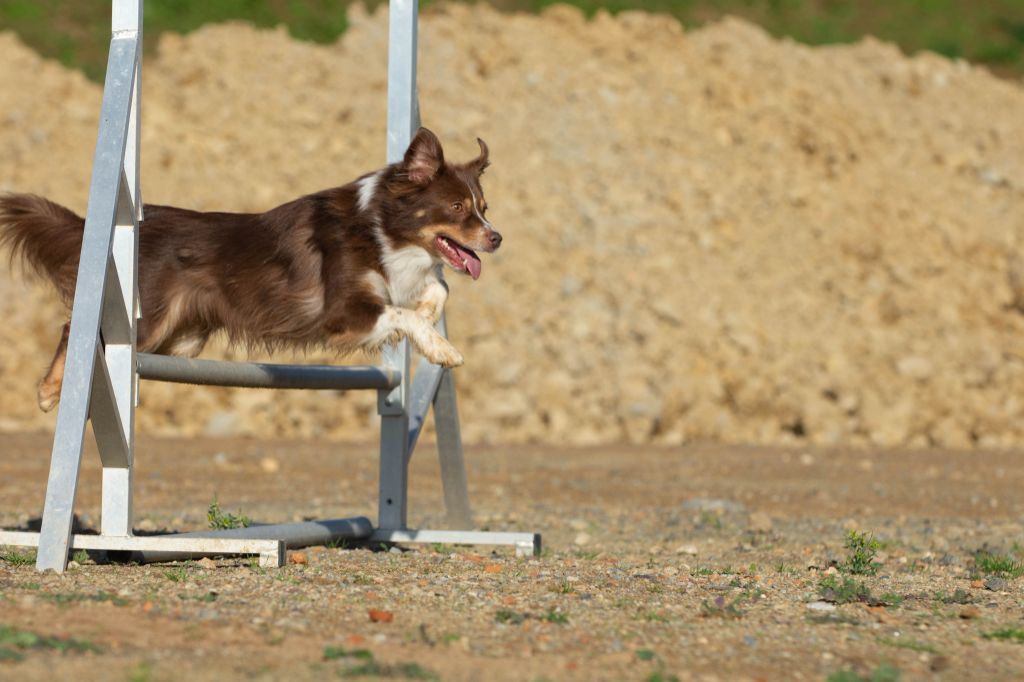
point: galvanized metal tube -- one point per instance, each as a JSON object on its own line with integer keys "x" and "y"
{"x": 260, "y": 375}
{"x": 294, "y": 536}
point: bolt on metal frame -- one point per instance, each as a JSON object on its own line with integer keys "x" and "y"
{"x": 103, "y": 367}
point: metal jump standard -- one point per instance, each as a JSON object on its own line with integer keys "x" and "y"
{"x": 103, "y": 367}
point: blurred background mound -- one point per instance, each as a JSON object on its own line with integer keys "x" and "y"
{"x": 711, "y": 235}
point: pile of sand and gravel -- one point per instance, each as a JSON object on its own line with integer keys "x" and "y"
{"x": 710, "y": 235}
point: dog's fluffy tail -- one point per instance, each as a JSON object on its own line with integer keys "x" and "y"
{"x": 44, "y": 236}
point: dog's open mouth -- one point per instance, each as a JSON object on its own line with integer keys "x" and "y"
{"x": 458, "y": 256}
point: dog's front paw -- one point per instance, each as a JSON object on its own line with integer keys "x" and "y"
{"x": 445, "y": 355}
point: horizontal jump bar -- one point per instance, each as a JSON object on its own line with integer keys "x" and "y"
{"x": 259, "y": 375}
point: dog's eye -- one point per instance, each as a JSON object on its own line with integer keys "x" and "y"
{"x": 457, "y": 207}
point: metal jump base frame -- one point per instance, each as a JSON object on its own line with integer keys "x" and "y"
{"x": 103, "y": 367}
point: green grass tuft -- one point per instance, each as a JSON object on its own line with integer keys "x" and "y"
{"x": 14, "y": 642}
{"x": 557, "y": 617}
{"x": 509, "y": 617}
{"x": 844, "y": 591}
{"x": 221, "y": 520}
{"x": 861, "y": 548}
{"x": 1002, "y": 565}
{"x": 910, "y": 644}
{"x": 18, "y": 558}
{"x": 361, "y": 663}
{"x": 1007, "y": 634}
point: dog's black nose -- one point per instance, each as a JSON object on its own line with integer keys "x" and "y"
{"x": 495, "y": 238}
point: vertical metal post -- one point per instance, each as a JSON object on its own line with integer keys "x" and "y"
{"x": 459, "y": 515}
{"x": 116, "y": 510}
{"x": 126, "y": 17}
{"x": 92, "y": 306}
{"x": 403, "y": 121}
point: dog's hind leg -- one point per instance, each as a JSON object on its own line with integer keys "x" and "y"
{"x": 49, "y": 387}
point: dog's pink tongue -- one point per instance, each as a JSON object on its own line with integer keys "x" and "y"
{"x": 473, "y": 264}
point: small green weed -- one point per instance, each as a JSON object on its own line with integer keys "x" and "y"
{"x": 1007, "y": 634}
{"x": 557, "y": 617}
{"x": 332, "y": 653}
{"x": 862, "y": 548}
{"x": 846, "y": 591}
{"x": 361, "y": 663}
{"x": 18, "y": 558}
{"x": 177, "y": 574}
{"x": 883, "y": 673}
{"x": 959, "y": 596}
{"x": 1003, "y": 565}
{"x": 659, "y": 676}
{"x": 207, "y": 598}
{"x": 221, "y": 520}
{"x": 565, "y": 587}
{"x": 710, "y": 519}
{"x": 141, "y": 673}
{"x": 891, "y": 599}
{"x": 510, "y": 617}
{"x": 909, "y": 644}
{"x": 13, "y": 642}
{"x": 81, "y": 556}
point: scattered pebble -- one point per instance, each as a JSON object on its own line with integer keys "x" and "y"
{"x": 996, "y": 584}
{"x": 380, "y": 616}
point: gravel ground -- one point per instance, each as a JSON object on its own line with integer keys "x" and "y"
{"x": 695, "y": 563}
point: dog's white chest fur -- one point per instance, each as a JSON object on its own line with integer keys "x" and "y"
{"x": 408, "y": 271}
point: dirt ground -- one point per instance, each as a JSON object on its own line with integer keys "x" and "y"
{"x": 695, "y": 562}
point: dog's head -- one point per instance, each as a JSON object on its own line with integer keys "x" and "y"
{"x": 441, "y": 205}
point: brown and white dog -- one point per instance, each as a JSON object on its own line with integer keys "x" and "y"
{"x": 354, "y": 267}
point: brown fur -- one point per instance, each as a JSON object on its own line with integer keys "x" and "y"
{"x": 294, "y": 276}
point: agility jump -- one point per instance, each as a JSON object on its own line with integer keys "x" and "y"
{"x": 101, "y": 363}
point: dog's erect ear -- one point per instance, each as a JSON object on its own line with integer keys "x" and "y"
{"x": 424, "y": 157}
{"x": 481, "y": 162}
